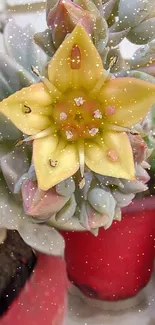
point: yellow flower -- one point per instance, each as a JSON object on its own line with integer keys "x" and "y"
{"x": 77, "y": 117}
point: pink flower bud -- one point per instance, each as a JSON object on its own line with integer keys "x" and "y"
{"x": 40, "y": 203}
{"x": 64, "y": 16}
{"x": 139, "y": 147}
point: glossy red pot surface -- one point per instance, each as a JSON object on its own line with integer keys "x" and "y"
{"x": 43, "y": 299}
{"x": 119, "y": 261}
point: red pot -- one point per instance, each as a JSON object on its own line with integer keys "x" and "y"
{"x": 43, "y": 299}
{"x": 119, "y": 262}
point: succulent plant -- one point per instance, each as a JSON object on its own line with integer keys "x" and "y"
{"x": 78, "y": 194}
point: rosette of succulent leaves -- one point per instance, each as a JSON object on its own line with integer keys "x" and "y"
{"x": 102, "y": 198}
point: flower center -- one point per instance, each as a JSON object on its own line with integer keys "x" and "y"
{"x": 78, "y": 116}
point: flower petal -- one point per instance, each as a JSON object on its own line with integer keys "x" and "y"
{"x": 131, "y": 97}
{"x": 50, "y": 151}
{"x": 35, "y": 97}
{"x": 98, "y": 160}
{"x": 76, "y": 62}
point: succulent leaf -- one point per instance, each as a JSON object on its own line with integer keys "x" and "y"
{"x": 143, "y": 33}
{"x": 133, "y": 12}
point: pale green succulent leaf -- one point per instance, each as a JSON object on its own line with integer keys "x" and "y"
{"x": 115, "y": 38}
{"x": 71, "y": 224}
{"x": 99, "y": 5}
{"x": 132, "y": 12}
{"x": 67, "y": 211}
{"x": 13, "y": 166}
{"x": 136, "y": 74}
{"x": 5, "y": 89}
{"x": 102, "y": 201}
{"x": 13, "y": 76}
{"x": 95, "y": 219}
{"x": 108, "y": 181}
{"x": 104, "y": 54}
{"x": 108, "y": 8}
{"x": 19, "y": 45}
{"x": 143, "y": 33}
{"x": 133, "y": 187}
{"x": 84, "y": 221}
{"x": 88, "y": 176}
{"x": 44, "y": 41}
{"x": 10, "y": 209}
{"x": 122, "y": 199}
{"x": 143, "y": 55}
{"x": 41, "y": 237}
{"x": 66, "y": 188}
{"x": 101, "y": 34}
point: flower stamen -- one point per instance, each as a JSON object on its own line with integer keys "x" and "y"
{"x": 93, "y": 131}
{"x": 97, "y": 114}
{"x": 63, "y": 116}
{"x": 79, "y": 101}
{"x": 69, "y": 134}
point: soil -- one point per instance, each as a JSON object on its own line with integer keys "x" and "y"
{"x": 17, "y": 261}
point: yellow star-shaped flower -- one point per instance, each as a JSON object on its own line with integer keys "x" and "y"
{"x": 77, "y": 117}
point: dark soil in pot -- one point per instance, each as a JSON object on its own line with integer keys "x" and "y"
{"x": 17, "y": 261}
